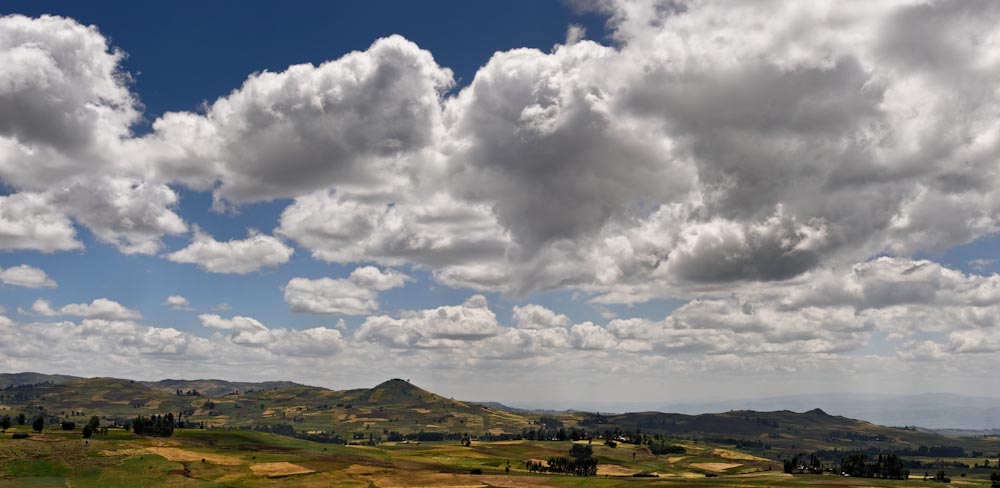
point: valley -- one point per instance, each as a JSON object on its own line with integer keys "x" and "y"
{"x": 399, "y": 435}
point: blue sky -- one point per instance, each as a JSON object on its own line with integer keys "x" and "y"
{"x": 765, "y": 200}
{"x": 184, "y": 54}
{"x": 223, "y": 42}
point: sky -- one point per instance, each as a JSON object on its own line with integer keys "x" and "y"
{"x": 534, "y": 201}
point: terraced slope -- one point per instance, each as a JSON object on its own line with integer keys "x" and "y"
{"x": 782, "y": 431}
{"x": 397, "y": 407}
{"x": 213, "y": 388}
{"x": 393, "y": 406}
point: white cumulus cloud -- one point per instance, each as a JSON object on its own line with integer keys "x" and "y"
{"x": 178, "y": 302}
{"x": 101, "y": 308}
{"x": 26, "y": 276}
{"x": 236, "y": 256}
{"x": 355, "y": 295}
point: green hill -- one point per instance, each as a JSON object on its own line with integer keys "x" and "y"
{"x": 397, "y": 391}
{"x": 781, "y": 432}
{"x": 393, "y": 406}
{"x": 215, "y": 387}
{"x": 28, "y": 378}
{"x": 398, "y": 408}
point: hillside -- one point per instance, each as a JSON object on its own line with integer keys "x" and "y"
{"x": 398, "y": 408}
{"x": 928, "y": 410}
{"x": 214, "y": 388}
{"x": 28, "y": 378}
{"x": 780, "y": 432}
{"x": 78, "y": 399}
{"x": 393, "y": 406}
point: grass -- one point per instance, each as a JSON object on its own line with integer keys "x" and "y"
{"x": 36, "y": 467}
{"x": 251, "y": 458}
{"x": 126, "y": 460}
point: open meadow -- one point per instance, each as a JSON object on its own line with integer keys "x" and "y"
{"x": 399, "y": 435}
{"x": 245, "y": 458}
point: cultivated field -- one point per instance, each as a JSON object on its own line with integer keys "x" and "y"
{"x": 396, "y": 431}
{"x": 242, "y": 458}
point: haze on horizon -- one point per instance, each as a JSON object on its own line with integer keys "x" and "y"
{"x": 537, "y": 202}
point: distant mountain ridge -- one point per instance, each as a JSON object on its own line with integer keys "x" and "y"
{"x": 29, "y": 378}
{"x": 210, "y": 387}
{"x": 932, "y": 411}
{"x": 927, "y": 410}
{"x": 418, "y": 409}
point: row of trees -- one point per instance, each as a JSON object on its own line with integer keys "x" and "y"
{"x": 885, "y": 466}
{"x": 93, "y": 426}
{"x": 800, "y": 464}
{"x": 27, "y": 385}
{"x": 6, "y": 422}
{"x": 548, "y": 431}
{"x": 934, "y": 451}
{"x": 859, "y": 465}
{"x": 154, "y": 425}
{"x": 581, "y": 462}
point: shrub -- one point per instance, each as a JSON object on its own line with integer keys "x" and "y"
{"x": 664, "y": 448}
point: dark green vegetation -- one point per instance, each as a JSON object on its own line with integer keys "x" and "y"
{"x": 885, "y": 466}
{"x": 156, "y": 425}
{"x": 401, "y": 435}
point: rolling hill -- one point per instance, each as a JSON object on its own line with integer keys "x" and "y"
{"x": 397, "y": 408}
{"x": 783, "y": 432}
{"x": 393, "y": 406}
{"x": 928, "y": 410}
{"x": 214, "y": 388}
{"x": 8, "y": 379}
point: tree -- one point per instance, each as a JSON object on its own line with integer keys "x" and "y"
{"x": 21, "y": 419}
{"x": 5, "y": 422}
{"x": 87, "y": 431}
{"x": 581, "y": 451}
{"x": 584, "y": 463}
{"x": 94, "y": 423}
{"x": 38, "y": 424}
{"x": 156, "y": 425}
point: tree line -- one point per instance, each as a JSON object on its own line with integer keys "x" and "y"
{"x": 580, "y": 462}
{"x": 154, "y": 425}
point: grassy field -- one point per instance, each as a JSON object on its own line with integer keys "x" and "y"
{"x": 397, "y": 406}
{"x": 244, "y": 458}
{"x": 739, "y": 448}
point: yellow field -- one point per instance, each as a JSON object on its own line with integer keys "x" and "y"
{"x": 176, "y": 454}
{"x": 278, "y": 469}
